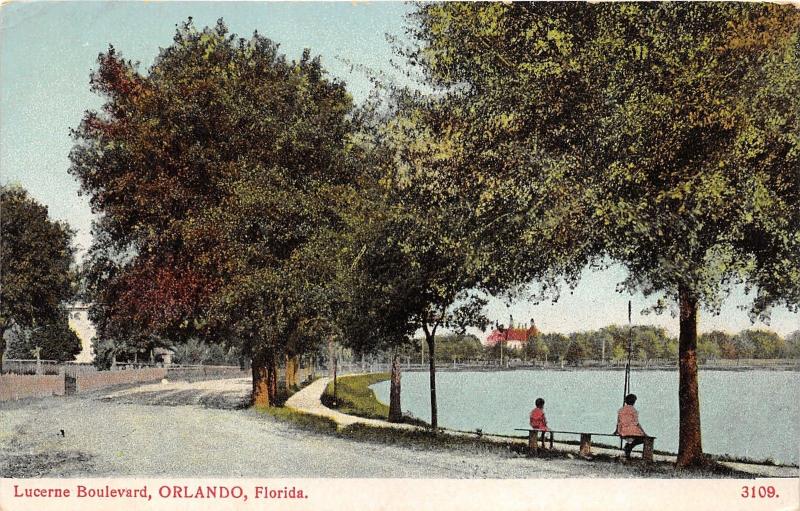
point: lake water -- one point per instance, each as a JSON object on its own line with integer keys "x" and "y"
{"x": 749, "y": 413}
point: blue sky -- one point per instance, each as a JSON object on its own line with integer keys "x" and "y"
{"x": 48, "y": 49}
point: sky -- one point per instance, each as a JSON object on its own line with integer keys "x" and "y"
{"x": 47, "y": 51}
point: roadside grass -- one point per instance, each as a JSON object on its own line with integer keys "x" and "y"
{"x": 300, "y": 419}
{"x": 303, "y": 420}
{"x": 354, "y": 397}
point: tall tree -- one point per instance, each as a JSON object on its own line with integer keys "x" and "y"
{"x": 663, "y": 136}
{"x": 432, "y": 227}
{"x": 36, "y": 256}
{"x": 383, "y": 299}
{"x": 210, "y": 172}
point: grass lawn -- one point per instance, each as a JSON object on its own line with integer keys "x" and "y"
{"x": 354, "y": 397}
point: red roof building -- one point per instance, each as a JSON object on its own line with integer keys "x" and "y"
{"x": 516, "y": 338}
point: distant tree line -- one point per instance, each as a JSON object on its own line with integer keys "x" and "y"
{"x": 611, "y": 344}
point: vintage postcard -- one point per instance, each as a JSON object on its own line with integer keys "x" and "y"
{"x": 387, "y": 255}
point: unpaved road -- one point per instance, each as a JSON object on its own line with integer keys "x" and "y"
{"x": 201, "y": 429}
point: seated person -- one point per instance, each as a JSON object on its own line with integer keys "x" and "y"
{"x": 538, "y": 420}
{"x": 628, "y": 425}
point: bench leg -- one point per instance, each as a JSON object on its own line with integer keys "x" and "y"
{"x": 647, "y": 449}
{"x": 551, "y": 440}
{"x": 586, "y": 444}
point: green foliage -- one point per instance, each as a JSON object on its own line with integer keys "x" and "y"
{"x": 458, "y": 347}
{"x": 660, "y": 135}
{"x": 55, "y": 340}
{"x": 214, "y": 174}
{"x": 125, "y": 350}
{"x": 724, "y": 343}
{"x": 448, "y": 348}
{"x": 760, "y": 344}
{"x": 37, "y": 277}
{"x": 195, "y": 351}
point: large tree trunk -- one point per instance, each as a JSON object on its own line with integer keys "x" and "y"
{"x": 395, "y": 411}
{"x": 260, "y": 380}
{"x": 690, "y": 450}
{"x": 265, "y": 379}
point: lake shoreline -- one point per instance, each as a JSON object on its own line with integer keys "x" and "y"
{"x": 483, "y": 369}
{"x": 587, "y": 400}
{"x": 565, "y": 448}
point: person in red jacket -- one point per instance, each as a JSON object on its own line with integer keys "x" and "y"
{"x": 538, "y": 420}
{"x": 628, "y": 426}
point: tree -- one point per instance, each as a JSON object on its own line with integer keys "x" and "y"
{"x": 211, "y": 174}
{"x": 379, "y": 300}
{"x": 793, "y": 344}
{"x": 727, "y": 348}
{"x": 36, "y": 256}
{"x": 707, "y": 348}
{"x": 432, "y": 228}
{"x": 195, "y": 351}
{"x": 761, "y": 343}
{"x": 54, "y": 340}
{"x": 378, "y": 303}
{"x": 662, "y": 136}
{"x": 575, "y": 350}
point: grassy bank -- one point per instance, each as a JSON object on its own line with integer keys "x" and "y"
{"x": 354, "y": 397}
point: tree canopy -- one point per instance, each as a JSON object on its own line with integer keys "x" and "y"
{"x": 663, "y": 136}
{"x": 37, "y": 257}
{"x": 212, "y": 173}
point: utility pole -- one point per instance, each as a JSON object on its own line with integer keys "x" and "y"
{"x": 628, "y": 364}
{"x": 510, "y": 326}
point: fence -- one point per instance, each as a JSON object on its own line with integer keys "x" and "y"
{"x": 20, "y": 386}
{"x": 73, "y": 369}
{"x": 100, "y": 379}
{"x": 201, "y": 372}
{"x": 31, "y": 366}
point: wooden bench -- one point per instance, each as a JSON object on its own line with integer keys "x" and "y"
{"x": 586, "y": 441}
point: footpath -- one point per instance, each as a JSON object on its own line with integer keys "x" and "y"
{"x": 308, "y": 400}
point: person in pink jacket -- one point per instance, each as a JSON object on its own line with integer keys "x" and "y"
{"x": 538, "y": 420}
{"x": 628, "y": 426}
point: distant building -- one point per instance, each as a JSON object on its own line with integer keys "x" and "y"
{"x": 79, "y": 322}
{"x": 514, "y": 338}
